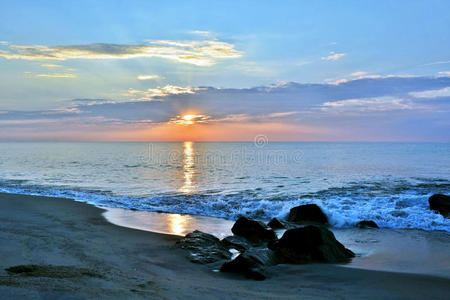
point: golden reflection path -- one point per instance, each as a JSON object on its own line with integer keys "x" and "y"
{"x": 188, "y": 168}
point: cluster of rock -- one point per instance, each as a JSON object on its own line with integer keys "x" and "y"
{"x": 306, "y": 240}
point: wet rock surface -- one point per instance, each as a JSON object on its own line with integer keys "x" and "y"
{"x": 254, "y": 231}
{"x": 236, "y": 242}
{"x": 365, "y": 224}
{"x": 440, "y": 203}
{"x": 251, "y": 263}
{"x": 276, "y": 224}
{"x": 310, "y": 244}
{"x": 204, "y": 248}
{"x": 309, "y": 213}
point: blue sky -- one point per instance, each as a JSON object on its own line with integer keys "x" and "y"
{"x": 132, "y": 53}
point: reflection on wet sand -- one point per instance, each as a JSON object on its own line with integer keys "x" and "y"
{"x": 178, "y": 223}
{"x": 175, "y": 224}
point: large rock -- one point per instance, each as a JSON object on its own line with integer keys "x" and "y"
{"x": 253, "y": 230}
{"x": 367, "y": 224}
{"x": 440, "y": 203}
{"x": 276, "y": 224}
{"x": 204, "y": 248}
{"x": 309, "y": 213}
{"x": 310, "y": 244}
{"x": 251, "y": 263}
{"x": 236, "y": 242}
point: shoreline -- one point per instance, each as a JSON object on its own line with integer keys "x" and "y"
{"x": 140, "y": 264}
{"x": 376, "y": 249}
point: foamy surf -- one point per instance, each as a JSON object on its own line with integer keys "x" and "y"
{"x": 399, "y": 204}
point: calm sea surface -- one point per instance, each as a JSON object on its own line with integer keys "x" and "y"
{"x": 386, "y": 182}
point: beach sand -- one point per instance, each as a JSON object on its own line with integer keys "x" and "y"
{"x": 103, "y": 260}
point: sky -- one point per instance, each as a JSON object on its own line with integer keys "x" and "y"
{"x": 225, "y": 71}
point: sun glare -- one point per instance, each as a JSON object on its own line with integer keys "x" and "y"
{"x": 189, "y": 119}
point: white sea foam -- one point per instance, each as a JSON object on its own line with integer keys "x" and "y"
{"x": 405, "y": 210}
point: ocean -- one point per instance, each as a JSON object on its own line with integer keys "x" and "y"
{"x": 386, "y": 182}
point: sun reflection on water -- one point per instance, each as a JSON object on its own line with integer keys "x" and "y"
{"x": 188, "y": 168}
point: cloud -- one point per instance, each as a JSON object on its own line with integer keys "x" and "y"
{"x": 199, "y": 53}
{"x": 4, "y": 43}
{"x": 204, "y": 33}
{"x": 375, "y": 76}
{"x": 57, "y": 75}
{"x": 186, "y": 120}
{"x": 444, "y": 73}
{"x": 336, "y": 81}
{"x": 150, "y": 94}
{"x": 364, "y": 75}
{"x": 289, "y": 101}
{"x": 333, "y": 56}
{"x": 358, "y": 73}
{"x": 233, "y": 118}
{"x": 87, "y": 102}
{"x": 367, "y": 105}
{"x": 148, "y": 77}
{"x": 445, "y": 92}
{"x": 27, "y": 122}
{"x": 51, "y": 66}
{"x": 369, "y": 108}
{"x": 443, "y": 62}
{"x": 282, "y": 114}
{"x": 239, "y": 118}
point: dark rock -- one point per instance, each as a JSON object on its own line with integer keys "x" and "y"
{"x": 204, "y": 248}
{"x": 253, "y": 230}
{"x": 310, "y": 244}
{"x": 276, "y": 224}
{"x": 306, "y": 214}
{"x": 251, "y": 263}
{"x": 236, "y": 242}
{"x": 440, "y": 203}
{"x": 367, "y": 224}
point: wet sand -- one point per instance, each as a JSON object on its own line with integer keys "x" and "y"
{"x": 395, "y": 250}
{"x": 82, "y": 256}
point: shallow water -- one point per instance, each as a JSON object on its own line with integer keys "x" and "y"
{"x": 398, "y": 250}
{"x": 395, "y": 250}
{"x": 386, "y": 182}
{"x": 166, "y": 223}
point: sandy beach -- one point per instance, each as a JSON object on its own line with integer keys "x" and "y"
{"x": 85, "y": 257}
{"x": 224, "y": 150}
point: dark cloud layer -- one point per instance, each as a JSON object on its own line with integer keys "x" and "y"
{"x": 378, "y": 106}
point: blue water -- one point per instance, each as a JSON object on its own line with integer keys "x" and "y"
{"x": 387, "y": 182}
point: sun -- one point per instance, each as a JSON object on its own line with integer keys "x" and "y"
{"x": 189, "y": 119}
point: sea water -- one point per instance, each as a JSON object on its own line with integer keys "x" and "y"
{"x": 386, "y": 182}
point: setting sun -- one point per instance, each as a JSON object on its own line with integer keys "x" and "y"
{"x": 189, "y": 119}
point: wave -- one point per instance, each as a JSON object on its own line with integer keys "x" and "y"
{"x": 391, "y": 202}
